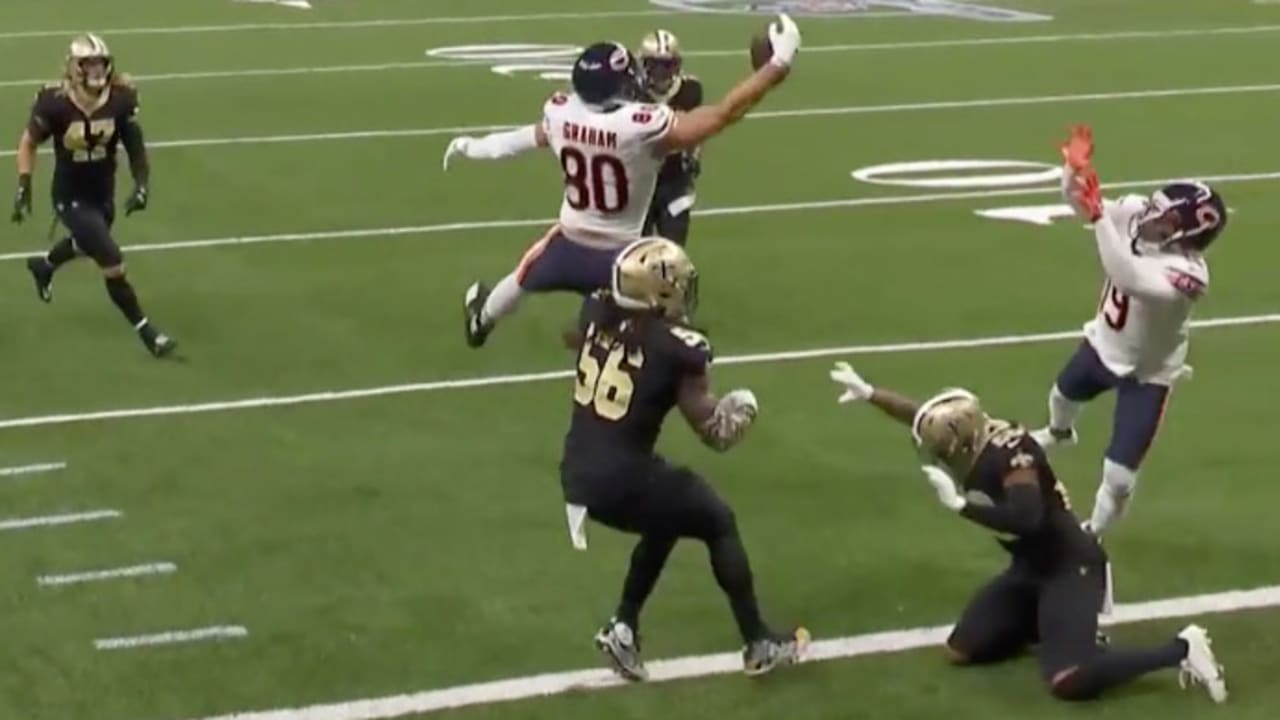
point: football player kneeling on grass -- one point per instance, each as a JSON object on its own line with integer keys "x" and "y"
{"x": 1055, "y": 583}
{"x": 638, "y": 358}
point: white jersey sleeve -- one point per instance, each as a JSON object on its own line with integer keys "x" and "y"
{"x": 1141, "y": 328}
{"x": 610, "y": 162}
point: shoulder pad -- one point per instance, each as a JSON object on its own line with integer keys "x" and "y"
{"x": 692, "y": 345}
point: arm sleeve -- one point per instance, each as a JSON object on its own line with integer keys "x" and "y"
{"x": 1020, "y": 513}
{"x": 496, "y": 146}
{"x": 136, "y": 146}
{"x": 40, "y": 124}
{"x": 1145, "y": 277}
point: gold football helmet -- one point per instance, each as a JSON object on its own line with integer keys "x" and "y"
{"x": 660, "y": 60}
{"x": 657, "y": 275}
{"x": 89, "y": 65}
{"x": 952, "y": 428}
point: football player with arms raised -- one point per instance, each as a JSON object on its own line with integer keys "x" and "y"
{"x": 639, "y": 359}
{"x": 611, "y": 150}
{"x": 1055, "y": 583}
{"x": 1152, "y": 252}
{"x": 664, "y": 82}
{"x": 89, "y": 114}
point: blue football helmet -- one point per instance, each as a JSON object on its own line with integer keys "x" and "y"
{"x": 605, "y": 73}
{"x": 1190, "y": 214}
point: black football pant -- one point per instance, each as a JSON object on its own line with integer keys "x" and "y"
{"x": 90, "y": 227}
{"x": 668, "y": 504}
{"x": 1058, "y": 610}
{"x": 662, "y": 222}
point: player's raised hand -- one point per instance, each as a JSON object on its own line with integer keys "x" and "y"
{"x": 784, "y": 36}
{"x": 1077, "y": 151}
{"x": 855, "y": 388}
{"x": 22, "y": 199}
{"x": 945, "y": 486}
{"x": 457, "y": 146}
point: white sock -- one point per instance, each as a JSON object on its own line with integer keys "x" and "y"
{"x": 1062, "y": 412}
{"x": 1114, "y": 493}
{"x": 503, "y": 301}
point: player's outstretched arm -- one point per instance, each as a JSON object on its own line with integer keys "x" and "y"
{"x": 1022, "y": 509}
{"x": 895, "y": 405}
{"x": 721, "y": 423}
{"x": 26, "y": 159}
{"x": 701, "y": 124}
{"x": 499, "y": 145}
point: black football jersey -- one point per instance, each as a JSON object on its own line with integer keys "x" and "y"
{"x": 1010, "y": 448}
{"x": 686, "y": 94}
{"x": 85, "y": 139}
{"x": 628, "y": 377}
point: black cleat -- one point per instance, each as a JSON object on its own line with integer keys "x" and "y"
{"x": 42, "y": 273}
{"x": 158, "y": 344}
{"x": 762, "y": 656}
{"x": 473, "y": 303}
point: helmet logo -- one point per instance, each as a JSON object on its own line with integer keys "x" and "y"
{"x": 619, "y": 59}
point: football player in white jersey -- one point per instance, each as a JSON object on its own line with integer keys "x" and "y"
{"x": 610, "y": 149}
{"x": 1152, "y": 253}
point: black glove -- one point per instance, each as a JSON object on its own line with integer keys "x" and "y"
{"x": 22, "y": 199}
{"x": 137, "y": 201}
{"x": 691, "y": 165}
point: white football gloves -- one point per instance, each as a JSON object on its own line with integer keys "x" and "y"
{"x": 741, "y": 405}
{"x": 784, "y": 36}
{"x": 457, "y": 146}
{"x": 942, "y": 483}
{"x": 855, "y": 388}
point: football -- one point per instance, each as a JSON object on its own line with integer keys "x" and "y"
{"x": 761, "y": 48}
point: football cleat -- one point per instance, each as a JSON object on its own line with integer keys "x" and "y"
{"x": 763, "y": 655}
{"x": 43, "y": 276}
{"x": 1049, "y": 437}
{"x": 621, "y": 645}
{"x": 158, "y": 344}
{"x": 473, "y": 310}
{"x": 1200, "y": 667}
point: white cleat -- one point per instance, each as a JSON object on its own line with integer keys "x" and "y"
{"x": 1200, "y": 666}
{"x": 1049, "y": 437}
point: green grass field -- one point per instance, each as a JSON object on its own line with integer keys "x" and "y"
{"x": 396, "y": 543}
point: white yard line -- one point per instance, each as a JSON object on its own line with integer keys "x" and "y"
{"x": 327, "y": 396}
{"x": 133, "y": 571}
{"x": 32, "y": 469}
{"x": 708, "y": 212}
{"x": 728, "y": 53}
{"x": 221, "y": 632}
{"x": 338, "y": 25}
{"x": 53, "y": 520}
{"x": 927, "y": 106}
{"x": 538, "y": 686}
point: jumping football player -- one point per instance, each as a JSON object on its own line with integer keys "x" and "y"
{"x": 664, "y": 82}
{"x": 638, "y": 360}
{"x": 1152, "y": 251}
{"x": 611, "y": 150}
{"x": 89, "y": 114}
{"x": 1053, "y": 588}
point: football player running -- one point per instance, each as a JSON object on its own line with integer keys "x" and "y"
{"x": 638, "y": 359}
{"x": 664, "y": 82}
{"x": 88, "y": 115}
{"x": 611, "y": 149}
{"x": 1053, "y": 588}
{"x": 1152, "y": 251}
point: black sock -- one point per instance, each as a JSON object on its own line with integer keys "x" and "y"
{"x": 647, "y": 560}
{"x": 733, "y": 573}
{"x": 126, "y": 299}
{"x": 61, "y": 253}
{"x": 1110, "y": 668}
